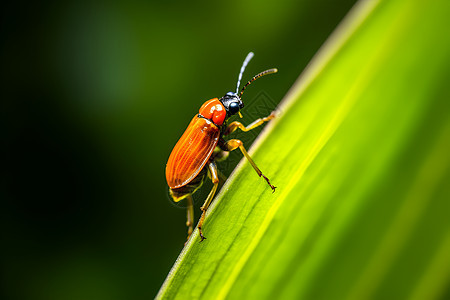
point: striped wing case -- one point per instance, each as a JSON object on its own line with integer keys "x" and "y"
{"x": 192, "y": 152}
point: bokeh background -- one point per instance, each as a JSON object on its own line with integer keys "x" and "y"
{"x": 94, "y": 97}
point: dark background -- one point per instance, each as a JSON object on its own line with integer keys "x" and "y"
{"x": 94, "y": 97}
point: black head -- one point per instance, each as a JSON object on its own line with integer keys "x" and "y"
{"x": 232, "y": 103}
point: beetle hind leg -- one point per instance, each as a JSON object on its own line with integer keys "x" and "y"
{"x": 212, "y": 167}
{"x": 189, "y": 216}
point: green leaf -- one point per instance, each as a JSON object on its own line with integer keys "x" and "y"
{"x": 360, "y": 156}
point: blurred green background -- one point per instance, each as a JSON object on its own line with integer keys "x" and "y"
{"x": 95, "y": 96}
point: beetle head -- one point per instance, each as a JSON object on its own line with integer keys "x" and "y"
{"x": 232, "y": 103}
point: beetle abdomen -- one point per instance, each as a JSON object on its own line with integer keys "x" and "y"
{"x": 189, "y": 188}
{"x": 192, "y": 152}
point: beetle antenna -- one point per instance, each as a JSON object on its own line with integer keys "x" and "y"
{"x": 266, "y": 72}
{"x": 244, "y": 64}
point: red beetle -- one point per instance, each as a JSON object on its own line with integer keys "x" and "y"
{"x": 202, "y": 144}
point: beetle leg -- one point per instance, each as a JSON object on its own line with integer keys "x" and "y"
{"x": 190, "y": 216}
{"x": 235, "y": 125}
{"x": 218, "y": 156}
{"x": 233, "y": 144}
{"x": 212, "y": 167}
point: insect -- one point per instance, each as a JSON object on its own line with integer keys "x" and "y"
{"x": 195, "y": 155}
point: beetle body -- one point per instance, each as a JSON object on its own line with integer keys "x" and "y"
{"x": 191, "y": 153}
{"x": 202, "y": 143}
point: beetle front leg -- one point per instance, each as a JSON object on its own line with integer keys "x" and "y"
{"x": 212, "y": 167}
{"x": 235, "y": 125}
{"x": 234, "y": 144}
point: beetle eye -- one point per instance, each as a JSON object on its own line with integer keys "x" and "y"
{"x": 233, "y": 108}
